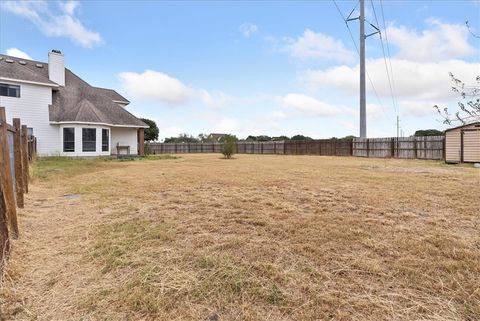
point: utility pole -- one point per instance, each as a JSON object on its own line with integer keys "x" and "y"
{"x": 363, "y": 36}
{"x": 363, "y": 109}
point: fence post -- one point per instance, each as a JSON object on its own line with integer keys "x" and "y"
{"x": 17, "y": 148}
{"x": 392, "y": 148}
{"x": 334, "y": 147}
{"x": 368, "y": 147}
{"x": 415, "y": 147}
{"x": 351, "y": 147}
{"x": 25, "y": 161}
{"x": 6, "y": 175}
{"x": 4, "y": 240}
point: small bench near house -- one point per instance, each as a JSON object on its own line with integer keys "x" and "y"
{"x": 121, "y": 148}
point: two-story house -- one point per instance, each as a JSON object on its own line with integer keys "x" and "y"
{"x": 68, "y": 116}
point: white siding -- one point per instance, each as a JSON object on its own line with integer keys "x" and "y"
{"x": 124, "y": 137}
{"x": 32, "y": 109}
{"x": 78, "y": 140}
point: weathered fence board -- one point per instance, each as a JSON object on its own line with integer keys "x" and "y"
{"x": 6, "y": 182}
{"x": 14, "y": 162}
{"x": 431, "y": 147}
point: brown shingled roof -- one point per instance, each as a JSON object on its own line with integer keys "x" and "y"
{"x": 77, "y": 101}
{"x": 14, "y": 70}
{"x": 113, "y": 94}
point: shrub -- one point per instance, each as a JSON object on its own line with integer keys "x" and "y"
{"x": 228, "y": 147}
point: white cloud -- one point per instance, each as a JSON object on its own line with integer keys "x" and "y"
{"x": 412, "y": 80}
{"x": 216, "y": 99}
{"x": 156, "y": 86}
{"x": 53, "y": 23}
{"x": 160, "y": 87}
{"x": 419, "y": 108}
{"x": 247, "y": 29}
{"x": 309, "y": 105}
{"x": 228, "y": 125}
{"x": 441, "y": 41}
{"x": 69, "y": 7}
{"x": 15, "y": 52}
{"x": 312, "y": 45}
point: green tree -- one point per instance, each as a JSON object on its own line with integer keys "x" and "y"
{"x": 428, "y": 132}
{"x": 300, "y": 137}
{"x": 229, "y": 137}
{"x": 182, "y": 138}
{"x": 229, "y": 145}
{"x": 151, "y": 133}
{"x": 280, "y": 138}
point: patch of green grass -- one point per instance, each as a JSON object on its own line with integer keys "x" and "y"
{"x": 159, "y": 157}
{"x": 48, "y": 167}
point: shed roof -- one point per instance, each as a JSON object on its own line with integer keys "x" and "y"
{"x": 457, "y": 127}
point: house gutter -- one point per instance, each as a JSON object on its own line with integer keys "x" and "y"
{"x": 92, "y": 123}
{"x": 28, "y": 82}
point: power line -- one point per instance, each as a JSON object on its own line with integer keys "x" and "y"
{"x": 389, "y": 56}
{"x": 358, "y": 51}
{"x": 385, "y": 60}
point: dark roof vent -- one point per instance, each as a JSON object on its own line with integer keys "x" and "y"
{"x": 39, "y": 65}
{"x": 22, "y": 62}
{"x": 56, "y": 51}
{"x": 9, "y": 60}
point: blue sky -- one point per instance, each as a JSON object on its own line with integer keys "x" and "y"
{"x": 250, "y": 67}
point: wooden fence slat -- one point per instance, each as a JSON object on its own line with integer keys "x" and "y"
{"x": 25, "y": 157}
{"x": 4, "y": 239}
{"x": 6, "y": 179}
{"x": 406, "y": 147}
{"x": 17, "y": 143}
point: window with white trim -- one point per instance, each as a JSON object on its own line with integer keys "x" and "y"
{"x": 105, "y": 140}
{"x": 10, "y": 90}
{"x": 68, "y": 140}
{"x": 89, "y": 139}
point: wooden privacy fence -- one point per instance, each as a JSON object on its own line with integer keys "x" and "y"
{"x": 430, "y": 147}
{"x": 17, "y": 151}
{"x": 427, "y": 147}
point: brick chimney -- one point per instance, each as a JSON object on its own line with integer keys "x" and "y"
{"x": 56, "y": 67}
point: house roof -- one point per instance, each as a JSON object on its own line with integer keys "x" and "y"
{"x": 114, "y": 95}
{"x": 470, "y": 124}
{"x": 77, "y": 101}
{"x": 11, "y": 68}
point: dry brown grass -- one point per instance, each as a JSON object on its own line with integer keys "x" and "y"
{"x": 253, "y": 238}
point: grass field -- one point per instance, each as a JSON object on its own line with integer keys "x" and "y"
{"x": 253, "y": 238}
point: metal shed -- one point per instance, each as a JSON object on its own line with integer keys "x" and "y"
{"x": 462, "y": 144}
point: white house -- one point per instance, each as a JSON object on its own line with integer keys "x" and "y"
{"x": 68, "y": 116}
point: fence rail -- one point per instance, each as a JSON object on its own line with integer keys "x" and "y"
{"x": 429, "y": 147}
{"x": 17, "y": 150}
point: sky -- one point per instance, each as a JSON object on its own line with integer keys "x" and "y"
{"x": 259, "y": 68}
